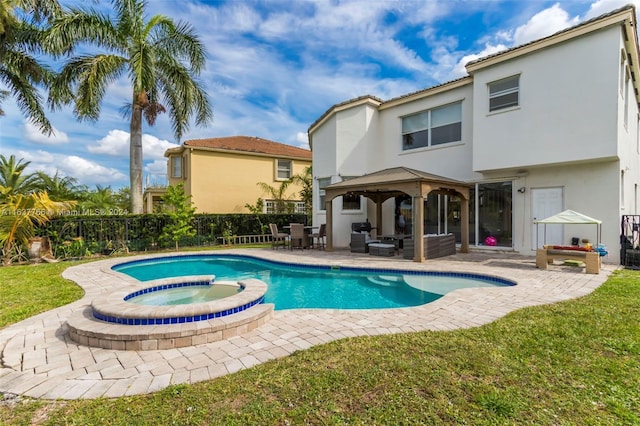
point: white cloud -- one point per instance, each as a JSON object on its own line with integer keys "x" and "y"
{"x": 156, "y": 167}
{"x": 543, "y": 24}
{"x": 459, "y": 70}
{"x": 85, "y": 171}
{"x": 33, "y": 134}
{"x": 302, "y": 139}
{"x": 116, "y": 144}
{"x": 540, "y": 25}
{"x": 601, "y": 7}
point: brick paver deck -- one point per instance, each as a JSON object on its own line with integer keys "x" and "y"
{"x": 39, "y": 360}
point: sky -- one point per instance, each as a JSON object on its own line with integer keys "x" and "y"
{"x": 275, "y": 66}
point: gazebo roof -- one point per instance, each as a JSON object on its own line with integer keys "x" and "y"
{"x": 393, "y": 180}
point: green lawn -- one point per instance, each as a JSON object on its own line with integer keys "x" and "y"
{"x": 571, "y": 363}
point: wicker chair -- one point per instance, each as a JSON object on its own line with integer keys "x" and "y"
{"x": 297, "y": 237}
{"x": 277, "y": 237}
{"x": 319, "y": 236}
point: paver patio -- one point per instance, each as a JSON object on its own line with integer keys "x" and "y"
{"x": 39, "y": 360}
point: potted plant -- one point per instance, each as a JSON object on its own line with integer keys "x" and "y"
{"x": 108, "y": 248}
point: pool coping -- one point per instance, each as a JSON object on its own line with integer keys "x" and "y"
{"x": 40, "y": 360}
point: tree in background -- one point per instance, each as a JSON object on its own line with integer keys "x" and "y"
{"x": 59, "y": 188}
{"x": 161, "y": 59}
{"x": 279, "y": 195}
{"x": 179, "y": 208}
{"x": 305, "y": 180}
{"x": 21, "y": 29}
{"x": 13, "y": 180}
{"x": 20, "y": 215}
{"x": 101, "y": 199}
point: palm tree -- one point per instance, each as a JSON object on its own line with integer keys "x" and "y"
{"x": 26, "y": 214}
{"x": 305, "y": 180}
{"x": 12, "y": 179}
{"x": 161, "y": 58}
{"x": 59, "y": 188}
{"x": 102, "y": 199}
{"x": 20, "y": 43}
{"x": 279, "y": 196}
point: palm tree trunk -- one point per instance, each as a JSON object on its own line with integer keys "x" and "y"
{"x": 135, "y": 158}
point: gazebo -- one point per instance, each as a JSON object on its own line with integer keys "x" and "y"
{"x": 384, "y": 184}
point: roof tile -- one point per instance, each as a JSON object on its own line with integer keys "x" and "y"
{"x": 250, "y": 144}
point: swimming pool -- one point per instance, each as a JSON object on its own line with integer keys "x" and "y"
{"x": 294, "y": 286}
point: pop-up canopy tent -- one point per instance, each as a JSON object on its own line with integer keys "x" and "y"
{"x": 569, "y": 217}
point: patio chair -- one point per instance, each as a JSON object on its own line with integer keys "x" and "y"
{"x": 277, "y": 237}
{"x": 297, "y": 237}
{"x": 319, "y": 236}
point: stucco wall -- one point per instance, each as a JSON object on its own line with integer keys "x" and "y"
{"x": 451, "y": 160}
{"x": 224, "y": 182}
{"x": 586, "y": 189}
{"x": 567, "y": 111}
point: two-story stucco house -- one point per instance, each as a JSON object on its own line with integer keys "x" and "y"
{"x": 222, "y": 174}
{"x": 533, "y": 130}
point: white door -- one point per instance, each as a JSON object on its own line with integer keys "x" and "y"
{"x": 546, "y": 202}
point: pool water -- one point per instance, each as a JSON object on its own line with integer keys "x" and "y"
{"x": 292, "y": 286}
{"x": 186, "y": 295}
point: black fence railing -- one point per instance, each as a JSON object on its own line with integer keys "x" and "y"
{"x": 83, "y": 235}
{"x": 630, "y": 241}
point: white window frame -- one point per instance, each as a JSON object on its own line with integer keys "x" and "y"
{"x": 360, "y": 203}
{"x": 269, "y": 206}
{"x": 322, "y": 204}
{"x": 177, "y": 166}
{"x": 429, "y": 127}
{"x": 504, "y": 93}
{"x": 285, "y": 166}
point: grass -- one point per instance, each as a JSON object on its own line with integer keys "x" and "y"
{"x": 570, "y": 363}
{"x": 27, "y": 290}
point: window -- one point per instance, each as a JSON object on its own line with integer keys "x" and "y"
{"x": 494, "y": 208}
{"x": 433, "y": 127}
{"x": 176, "y": 167}
{"x": 504, "y": 93}
{"x": 275, "y": 206}
{"x": 626, "y": 98}
{"x": 283, "y": 171}
{"x": 351, "y": 202}
{"x": 321, "y": 194}
{"x": 623, "y": 66}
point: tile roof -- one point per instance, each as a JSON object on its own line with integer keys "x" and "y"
{"x": 252, "y": 144}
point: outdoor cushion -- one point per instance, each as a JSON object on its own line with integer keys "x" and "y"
{"x": 574, "y": 248}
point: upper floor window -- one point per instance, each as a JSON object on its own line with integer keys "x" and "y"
{"x": 283, "y": 169}
{"x": 322, "y": 182}
{"x": 504, "y": 93}
{"x": 176, "y": 166}
{"x": 433, "y": 127}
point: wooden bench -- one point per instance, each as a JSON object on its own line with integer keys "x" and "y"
{"x": 545, "y": 256}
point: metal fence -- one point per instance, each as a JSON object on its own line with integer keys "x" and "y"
{"x": 630, "y": 241}
{"x": 143, "y": 232}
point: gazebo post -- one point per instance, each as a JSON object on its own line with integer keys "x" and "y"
{"x": 418, "y": 228}
{"x": 378, "y": 217}
{"x": 329, "y": 225}
{"x": 464, "y": 224}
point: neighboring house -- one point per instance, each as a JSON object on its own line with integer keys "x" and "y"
{"x": 534, "y": 130}
{"x": 222, "y": 174}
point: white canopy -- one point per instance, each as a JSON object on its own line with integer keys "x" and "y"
{"x": 568, "y": 217}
